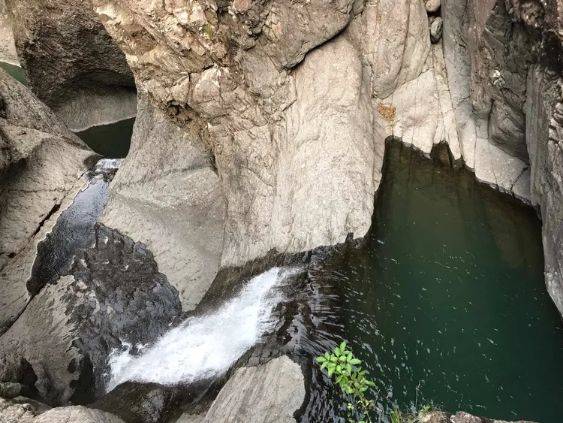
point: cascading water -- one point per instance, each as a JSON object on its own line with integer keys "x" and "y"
{"x": 206, "y": 346}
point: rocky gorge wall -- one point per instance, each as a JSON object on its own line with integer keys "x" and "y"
{"x": 292, "y": 102}
{"x": 71, "y": 63}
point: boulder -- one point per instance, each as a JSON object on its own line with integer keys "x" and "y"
{"x": 270, "y": 393}
{"x": 71, "y": 63}
{"x": 167, "y": 195}
{"x": 41, "y": 165}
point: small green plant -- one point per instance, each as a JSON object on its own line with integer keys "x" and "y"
{"x": 346, "y": 370}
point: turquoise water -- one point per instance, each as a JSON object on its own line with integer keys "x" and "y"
{"x": 111, "y": 141}
{"x": 446, "y": 301}
{"x": 15, "y": 71}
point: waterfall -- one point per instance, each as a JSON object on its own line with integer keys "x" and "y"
{"x": 206, "y": 346}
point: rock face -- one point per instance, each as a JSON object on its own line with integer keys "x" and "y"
{"x": 58, "y": 347}
{"x": 270, "y": 393}
{"x": 294, "y": 105}
{"x": 167, "y": 195}
{"x": 41, "y": 164}
{"x": 7, "y": 46}
{"x": 71, "y": 62}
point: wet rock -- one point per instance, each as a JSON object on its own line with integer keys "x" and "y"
{"x": 268, "y": 393}
{"x": 436, "y": 28}
{"x": 67, "y": 331}
{"x": 41, "y": 164}
{"x": 71, "y": 63}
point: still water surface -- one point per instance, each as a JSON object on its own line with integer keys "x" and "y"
{"x": 446, "y": 301}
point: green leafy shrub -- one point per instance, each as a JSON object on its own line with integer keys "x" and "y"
{"x": 345, "y": 369}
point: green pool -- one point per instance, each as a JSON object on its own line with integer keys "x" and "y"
{"x": 446, "y": 302}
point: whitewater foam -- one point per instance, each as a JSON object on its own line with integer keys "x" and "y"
{"x": 205, "y": 346}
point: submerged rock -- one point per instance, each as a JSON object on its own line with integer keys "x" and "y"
{"x": 460, "y": 417}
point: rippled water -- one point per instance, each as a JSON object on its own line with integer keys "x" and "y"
{"x": 446, "y": 301}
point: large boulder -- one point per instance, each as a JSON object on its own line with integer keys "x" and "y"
{"x": 71, "y": 63}
{"x": 41, "y": 165}
{"x": 270, "y": 393}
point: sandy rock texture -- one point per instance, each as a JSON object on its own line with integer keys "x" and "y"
{"x": 41, "y": 165}
{"x": 71, "y": 63}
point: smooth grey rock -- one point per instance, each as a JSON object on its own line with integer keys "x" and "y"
{"x": 167, "y": 195}
{"x": 76, "y": 414}
{"x": 70, "y": 61}
{"x": 269, "y": 393}
{"x": 41, "y": 164}
{"x": 544, "y": 135}
{"x": 60, "y": 343}
{"x": 436, "y": 28}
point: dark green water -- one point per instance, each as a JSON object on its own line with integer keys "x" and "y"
{"x": 446, "y": 302}
{"x": 15, "y": 71}
{"x": 111, "y": 140}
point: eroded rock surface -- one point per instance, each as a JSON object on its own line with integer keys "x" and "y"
{"x": 71, "y": 63}
{"x": 294, "y": 105}
{"x": 167, "y": 195}
{"x": 41, "y": 164}
{"x": 113, "y": 294}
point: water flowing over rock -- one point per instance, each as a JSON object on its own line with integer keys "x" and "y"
{"x": 71, "y": 63}
{"x": 59, "y": 345}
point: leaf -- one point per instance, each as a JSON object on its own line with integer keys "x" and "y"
{"x": 355, "y": 361}
{"x": 343, "y": 345}
{"x": 320, "y": 359}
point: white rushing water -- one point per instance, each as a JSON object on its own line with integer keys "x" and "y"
{"x": 207, "y": 345}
